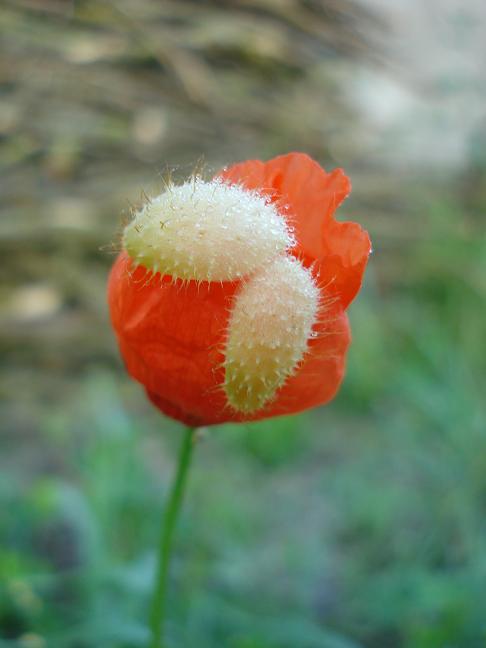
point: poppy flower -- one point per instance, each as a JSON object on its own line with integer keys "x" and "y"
{"x": 229, "y": 296}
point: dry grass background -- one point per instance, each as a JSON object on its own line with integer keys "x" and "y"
{"x": 101, "y": 98}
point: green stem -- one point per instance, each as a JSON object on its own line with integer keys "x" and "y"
{"x": 172, "y": 508}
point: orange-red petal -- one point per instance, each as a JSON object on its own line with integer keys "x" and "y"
{"x": 171, "y": 337}
{"x": 308, "y": 198}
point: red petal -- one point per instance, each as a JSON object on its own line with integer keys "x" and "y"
{"x": 171, "y": 337}
{"x": 308, "y": 197}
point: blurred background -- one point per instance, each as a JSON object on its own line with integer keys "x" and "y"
{"x": 360, "y": 525}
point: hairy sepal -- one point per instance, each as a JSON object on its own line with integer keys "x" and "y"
{"x": 270, "y": 327}
{"x": 207, "y": 231}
